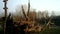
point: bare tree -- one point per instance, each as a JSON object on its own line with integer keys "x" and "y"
{"x": 52, "y": 14}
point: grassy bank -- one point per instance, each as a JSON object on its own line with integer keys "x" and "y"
{"x": 49, "y": 31}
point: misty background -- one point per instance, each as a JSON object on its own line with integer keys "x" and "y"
{"x": 38, "y": 5}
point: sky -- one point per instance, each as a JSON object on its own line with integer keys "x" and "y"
{"x": 42, "y": 5}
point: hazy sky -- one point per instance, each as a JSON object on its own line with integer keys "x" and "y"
{"x": 50, "y": 5}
